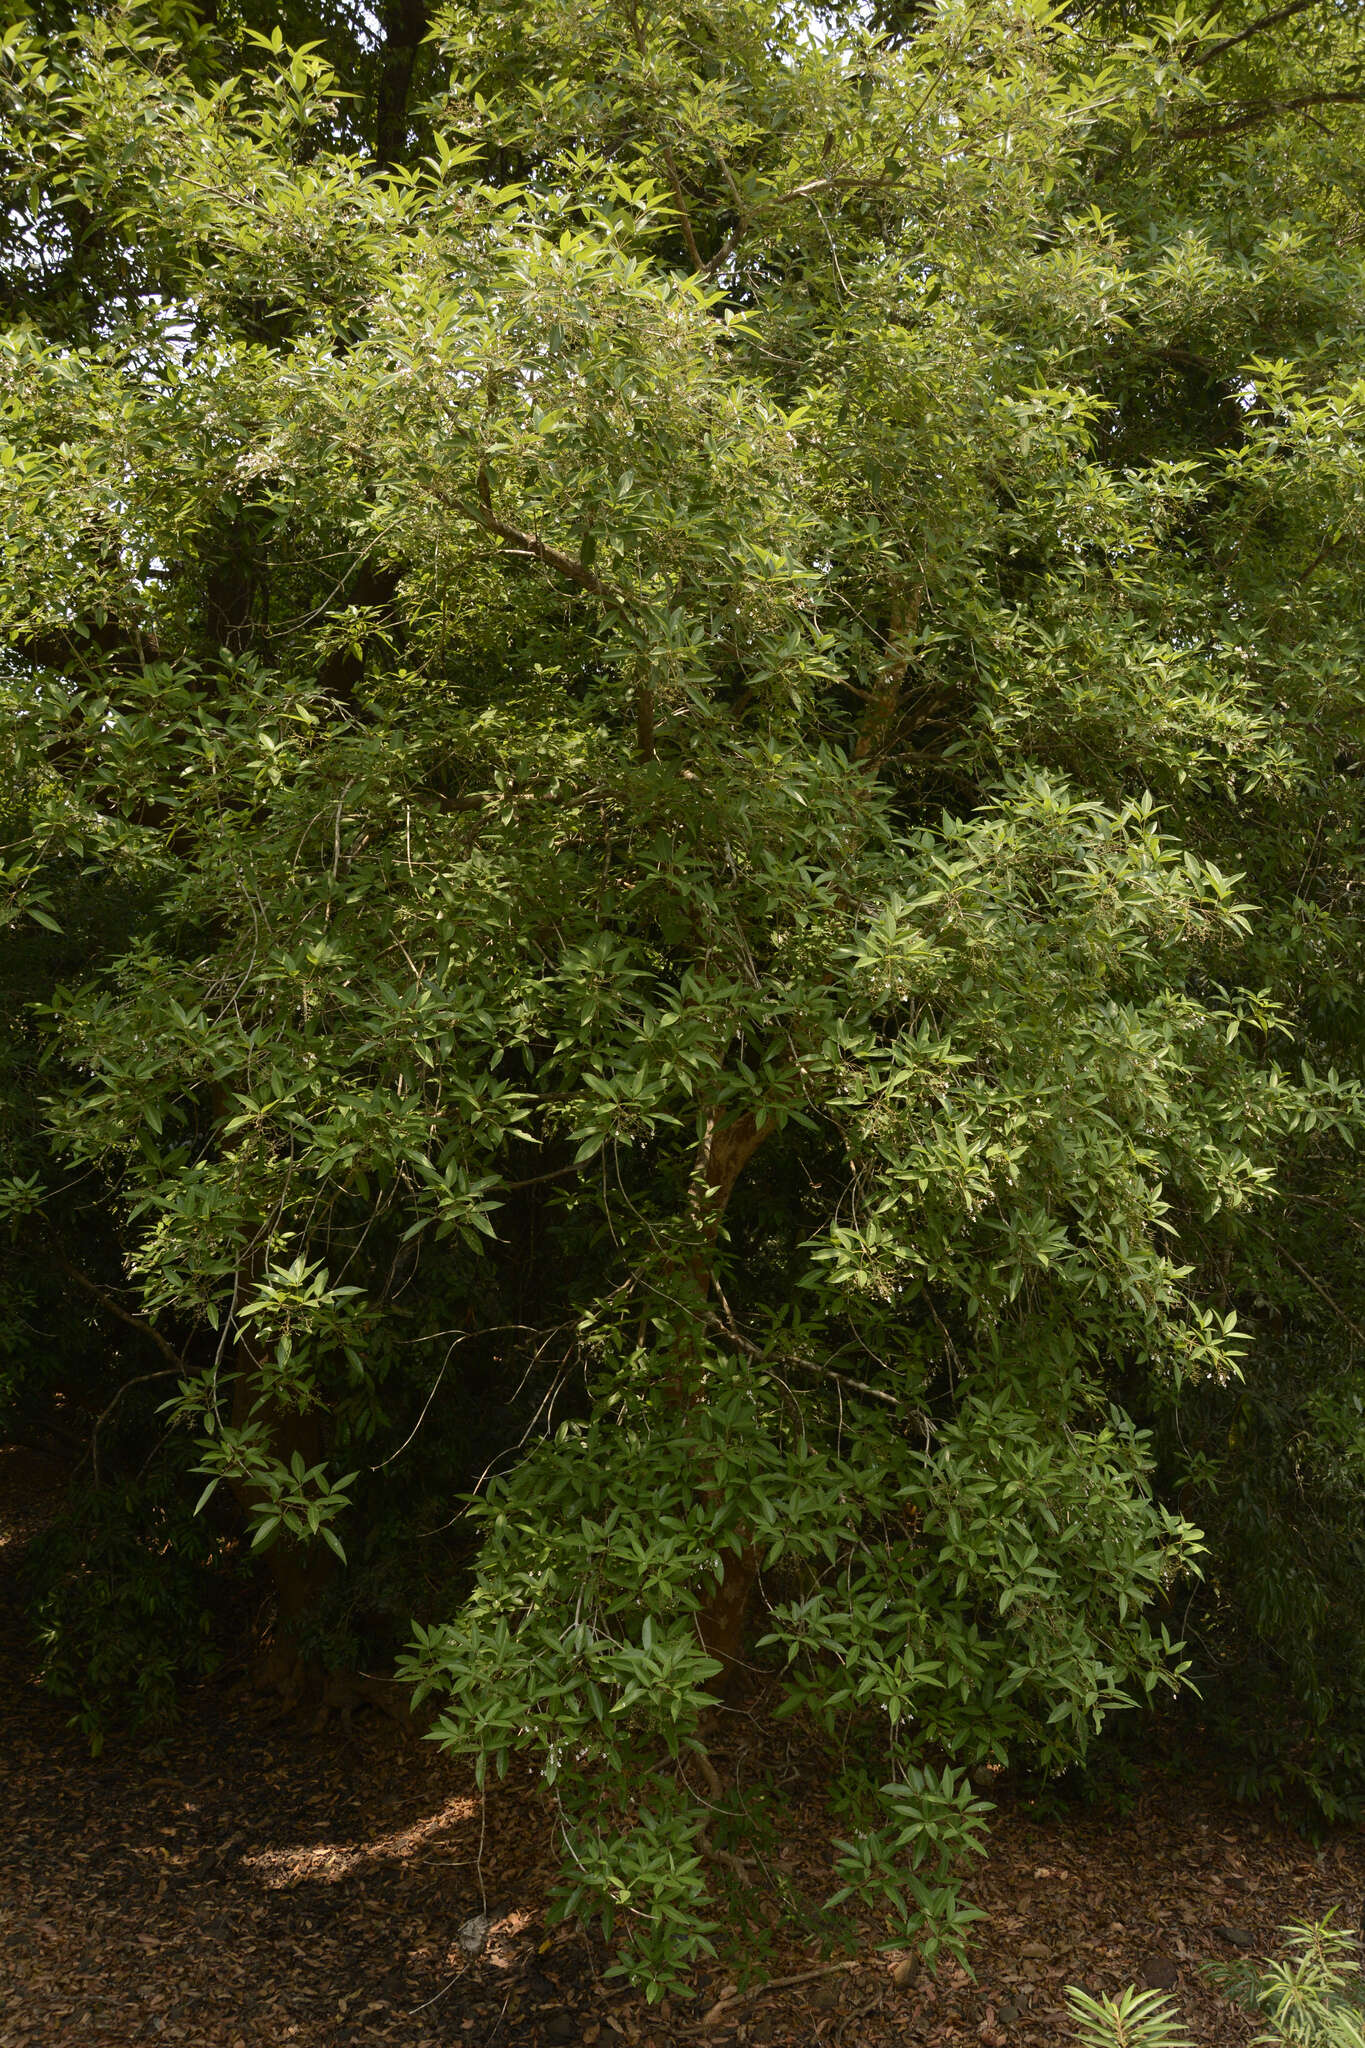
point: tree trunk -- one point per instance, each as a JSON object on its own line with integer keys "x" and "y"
{"x": 726, "y": 1148}
{"x": 300, "y": 1573}
{"x": 405, "y": 24}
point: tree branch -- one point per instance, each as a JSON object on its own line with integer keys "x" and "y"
{"x": 736, "y": 234}
{"x": 531, "y": 544}
{"x": 670, "y": 165}
{"x": 114, "y": 1308}
{"x": 538, "y": 1180}
{"x": 1225, "y": 43}
{"x": 733, "y": 1996}
{"x": 1266, "y": 110}
{"x": 684, "y": 216}
{"x": 167, "y": 1372}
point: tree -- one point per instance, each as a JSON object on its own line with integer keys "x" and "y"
{"x": 712, "y": 733}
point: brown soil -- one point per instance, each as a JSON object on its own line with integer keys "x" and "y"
{"x": 255, "y": 1884}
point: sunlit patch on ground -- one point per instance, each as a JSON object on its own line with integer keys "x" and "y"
{"x": 331, "y": 1862}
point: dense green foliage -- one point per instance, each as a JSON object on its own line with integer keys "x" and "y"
{"x": 683, "y": 735}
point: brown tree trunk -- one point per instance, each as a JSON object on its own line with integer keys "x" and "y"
{"x": 722, "y": 1616}
{"x": 300, "y": 1573}
{"x": 405, "y": 23}
{"x": 727, "y": 1146}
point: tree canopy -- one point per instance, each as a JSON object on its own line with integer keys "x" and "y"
{"x": 683, "y": 976}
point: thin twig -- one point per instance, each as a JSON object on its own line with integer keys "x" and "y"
{"x": 1342, "y": 1215}
{"x": 441, "y": 1994}
{"x": 420, "y": 1420}
{"x": 538, "y": 1180}
{"x": 168, "y": 1372}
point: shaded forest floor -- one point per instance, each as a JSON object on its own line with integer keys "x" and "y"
{"x": 256, "y": 1885}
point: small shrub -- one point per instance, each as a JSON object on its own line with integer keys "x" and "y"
{"x": 1135, "y": 2019}
{"x": 1314, "y": 1997}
